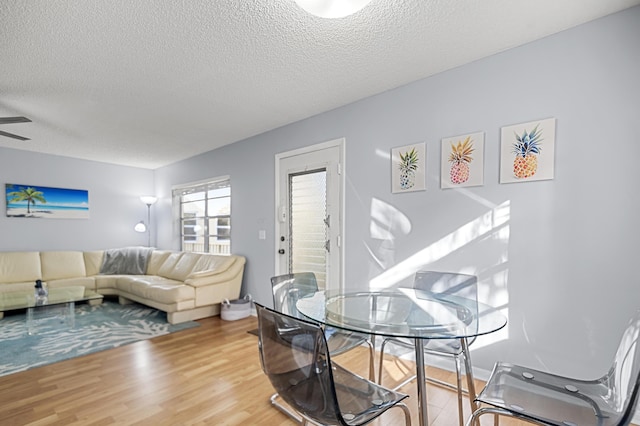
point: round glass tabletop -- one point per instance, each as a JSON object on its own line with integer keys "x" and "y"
{"x": 402, "y": 312}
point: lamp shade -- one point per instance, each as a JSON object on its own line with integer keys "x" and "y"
{"x": 148, "y": 199}
{"x": 332, "y": 8}
{"x": 140, "y": 227}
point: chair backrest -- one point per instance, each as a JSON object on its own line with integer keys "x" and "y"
{"x": 447, "y": 283}
{"x": 294, "y": 356}
{"x": 450, "y": 286}
{"x": 288, "y": 288}
{"x": 623, "y": 379}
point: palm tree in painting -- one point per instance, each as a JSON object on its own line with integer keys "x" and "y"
{"x": 30, "y": 195}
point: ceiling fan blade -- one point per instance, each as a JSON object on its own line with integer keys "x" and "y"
{"x": 9, "y": 120}
{"x": 11, "y": 135}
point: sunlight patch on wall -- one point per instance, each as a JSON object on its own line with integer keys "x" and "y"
{"x": 383, "y": 154}
{"x": 477, "y": 228}
{"x": 388, "y": 222}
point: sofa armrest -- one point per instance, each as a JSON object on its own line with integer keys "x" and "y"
{"x": 214, "y": 277}
{"x": 204, "y": 274}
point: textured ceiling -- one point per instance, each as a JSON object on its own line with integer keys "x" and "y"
{"x": 148, "y": 83}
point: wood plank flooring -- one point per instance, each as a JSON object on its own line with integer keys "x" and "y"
{"x": 209, "y": 375}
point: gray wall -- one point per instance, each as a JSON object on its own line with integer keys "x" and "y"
{"x": 114, "y": 206}
{"x": 558, "y": 256}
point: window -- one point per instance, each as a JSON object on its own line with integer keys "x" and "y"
{"x": 205, "y": 216}
{"x": 308, "y": 235}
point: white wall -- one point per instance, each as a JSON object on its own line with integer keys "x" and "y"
{"x": 114, "y": 206}
{"x": 558, "y": 256}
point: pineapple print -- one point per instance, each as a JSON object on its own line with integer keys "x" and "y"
{"x": 460, "y": 158}
{"x": 408, "y": 166}
{"x": 527, "y": 147}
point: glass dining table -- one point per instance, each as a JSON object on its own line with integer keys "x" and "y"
{"x": 409, "y": 313}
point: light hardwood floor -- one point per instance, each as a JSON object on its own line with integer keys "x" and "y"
{"x": 209, "y": 375}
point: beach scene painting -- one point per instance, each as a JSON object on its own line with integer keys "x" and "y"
{"x": 46, "y": 203}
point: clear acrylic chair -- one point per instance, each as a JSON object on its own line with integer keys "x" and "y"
{"x": 296, "y": 359}
{"x": 548, "y": 399}
{"x": 449, "y": 286}
{"x": 289, "y": 288}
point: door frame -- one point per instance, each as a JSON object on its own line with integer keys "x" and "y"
{"x": 340, "y": 173}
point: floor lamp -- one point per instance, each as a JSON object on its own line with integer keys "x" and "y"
{"x": 141, "y": 227}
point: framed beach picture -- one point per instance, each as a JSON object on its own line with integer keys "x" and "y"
{"x": 462, "y": 161}
{"x": 408, "y": 168}
{"x": 46, "y": 203}
{"x": 527, "y": 151}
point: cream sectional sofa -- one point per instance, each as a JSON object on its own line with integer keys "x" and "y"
{"x": 186, "y": 286}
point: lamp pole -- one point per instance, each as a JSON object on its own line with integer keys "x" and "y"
{"x": 148, "y": 225}
{"x": 149, "y": 201}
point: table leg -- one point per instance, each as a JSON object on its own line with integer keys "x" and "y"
{"x": 30, "y": 321}
{"x": 372, "y": 318}
{"x": 422, "y": 384}
{"x": 71, "y": 314}
{"x": 372, "y": 362}
{"x": 471, "y": 387}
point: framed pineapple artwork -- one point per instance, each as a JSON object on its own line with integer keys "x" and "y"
{"x": 462, "y": 161}
{"x": 408, "y": 168}
{"x": 527, "y": 151}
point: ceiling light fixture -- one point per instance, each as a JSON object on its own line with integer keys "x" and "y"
{"x": 332, "y": 8}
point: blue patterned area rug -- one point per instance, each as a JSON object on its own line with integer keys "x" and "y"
{"x": 97, "y": 328}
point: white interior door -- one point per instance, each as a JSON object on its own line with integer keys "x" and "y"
{"x": 309, "y": 203}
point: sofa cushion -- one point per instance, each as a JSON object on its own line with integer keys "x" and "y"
{"x": 18, "y": 267}
{"x": 57, "y": 265}
{"x": 156, "y": 288}
{"x": 93, "y": 262}
{"x": 184, "y": 266}
{"x": 168, "y": 264}
{"x": 87, "y": 282}
{"x": 156, "y": 260}
{"x": 16, "y": 287}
